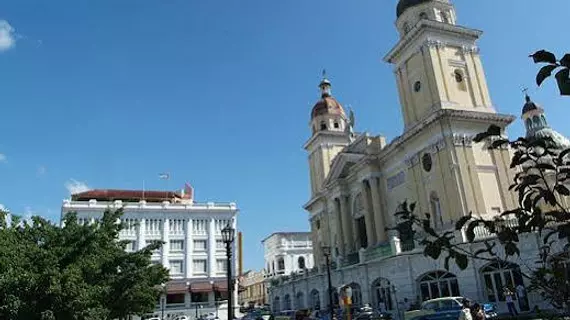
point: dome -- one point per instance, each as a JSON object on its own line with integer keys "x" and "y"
{"x": 404, "y": 5}
{"x": 529, "y": 105}
{"x": 327, "y": 105}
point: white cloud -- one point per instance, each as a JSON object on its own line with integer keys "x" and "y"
{"x": 73, "y": 186}
{"x": 7, "y": 36}
{"x": 41, "y": 170}
{"x": 3, "y": 157}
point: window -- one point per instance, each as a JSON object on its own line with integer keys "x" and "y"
{"x": 287, "y": 302}
{"x": 221, "y": 266}
{"x": 438, "y": 284}
{"x": 155, "y": 262}
{"x": 301, "y": 263}
{"x": 318, "y": 224}
{"x": 200, "y": 245}
{"x": 323, "y": 126}
{"x": 336, "y": 125}
{"x": 220, "y": 245}
{"x": 199, "y": 226}
{"x": 176, "y": 226}
{"x": 281, "y": 264}
{"x": 444, "y": 17}
{"x": 175, "y": 298}
{"x": 436, "y": 209}
{"x": 199, "y": 297}
{"x": 382, "y": 293}
{"x": 315, "y": 300}
{"x": 458, "y": 76}
{"x": 200, "y": 266}
{"x": 176, "y": 245}
{"x": 423, "y": 15}
{"x": 417, "y": 86}
{"x": 176, "y": 267}
{"x": 131, "y": 246}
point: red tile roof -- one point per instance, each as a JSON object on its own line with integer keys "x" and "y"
{"x": 126, "y": 195}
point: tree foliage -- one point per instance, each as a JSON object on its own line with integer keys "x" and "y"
{"x": 541, "y": 182}
{"x": 74, "y": 272}
{"x": 562, "y": 68}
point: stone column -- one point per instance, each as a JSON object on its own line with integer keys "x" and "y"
{"x": 166, "y": 246}
{"x": 378, "y": 214}
{"x": 212, "y": 247}
{"x": 141, "y": 242}
{"x": 188, "y": 248}
{"x": 346, "y": 224}
{"x": 339, "y": 228}
{"x": 369, "y": 216}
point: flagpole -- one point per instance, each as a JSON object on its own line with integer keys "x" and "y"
{"x": 143, "y": 191}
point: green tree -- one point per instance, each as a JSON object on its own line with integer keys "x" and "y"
{"x": 74, "y": 272}
{"x": 542, "y": 180}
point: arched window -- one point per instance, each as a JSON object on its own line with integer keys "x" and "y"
{"x": 323, "y": 125}
{"x": 536, "y": 121}
{"x": 444, "y": 17}
{"x": 528, "y": 124}
{"x": 272, "y": 266}
{"x": 315, "y": 300}
{"x": 458, "y": 76}
{"x": 436, "y": 209}
{"x": 276, "y": 304}
{"x": 336, "y": 125}
{"x": 287, "y": 302}
{"x": 497, "y": 276}
{"x": 437, "y": 284}
{"x": 280, "y": 264}
{"x": 301, "y": 263}
{"x": 300, "y": 300}
{"x": 358, "y": 213}
{"x": 382, "y": 294}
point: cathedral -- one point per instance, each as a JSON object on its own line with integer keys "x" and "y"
{"x": 358, "y": 180}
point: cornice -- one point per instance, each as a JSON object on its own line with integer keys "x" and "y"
{"x": 424, "y": 26}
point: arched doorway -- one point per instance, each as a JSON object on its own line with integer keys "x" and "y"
{"x": 382, "y": 294}
{"x": 497, "y": 276}
{"x": 437, "y": 284}
{"x": 287, "y": 302}
{"x": 315, "y": 302}
{"x": 356, "y": 294}
{"x": 276, "y": 304}
{"x": 300, "y": 300}
{"x": 301, "y": 263}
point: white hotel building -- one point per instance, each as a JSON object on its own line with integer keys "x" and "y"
{"x": 193, "y": 249}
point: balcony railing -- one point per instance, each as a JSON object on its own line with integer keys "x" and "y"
{"x": 379, "y": 251}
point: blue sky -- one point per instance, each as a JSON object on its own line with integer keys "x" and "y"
{"x": 109, "y": 93}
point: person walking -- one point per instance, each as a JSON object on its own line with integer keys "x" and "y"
{"x": 510, "y": 303}
{"x": 465, "y": 313}
{"x": 477, "y": 312}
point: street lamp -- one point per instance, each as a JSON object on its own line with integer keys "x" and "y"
{"x": 163, "y": 300}
{"x": 215, "y": 296}
{"x": 327, "y": 254}
{"x": 228, "y": 234}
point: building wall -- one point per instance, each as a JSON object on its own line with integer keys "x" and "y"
{"x": 253, "y": 292}
{"x": 283, "y": 252}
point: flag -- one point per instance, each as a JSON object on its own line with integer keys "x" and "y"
{"x": 188, "y": 191}
{"x": 164, "y": 176}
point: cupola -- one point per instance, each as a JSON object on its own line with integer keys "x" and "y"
{"x": 327, "y": 114}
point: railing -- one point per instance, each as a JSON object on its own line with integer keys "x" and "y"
{"x": 482, "y": 233}
{"x": 382, "y": 250}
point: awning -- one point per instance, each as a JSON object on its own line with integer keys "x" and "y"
{"x": 176, "y": 287}
{"x": 200, "y": 287}
{"x": 221, "y": 286}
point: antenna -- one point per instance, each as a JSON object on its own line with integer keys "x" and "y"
{"x": 324, "y": 73}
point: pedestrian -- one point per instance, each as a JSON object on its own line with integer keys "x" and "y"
{"x": 510, "y": 303}
{"x": 477, "y": 312}
{"x": 465, "y": 311}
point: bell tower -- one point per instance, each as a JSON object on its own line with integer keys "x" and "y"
{"x": 331, "y": 132}
{"x": 436, "y": 61}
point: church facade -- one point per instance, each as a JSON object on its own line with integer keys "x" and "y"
{"x": 358, "y": 180}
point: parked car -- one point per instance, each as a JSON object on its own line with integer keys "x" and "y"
{"x": 444, "y": 308}
{"x": 182, "y": 318}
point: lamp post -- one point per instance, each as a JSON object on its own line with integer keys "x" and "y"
{"x": 162, "y": 300}
{"x": 228, "y": 234}
{"x": 215, "y": 296}
{"x": 327, "y": 254}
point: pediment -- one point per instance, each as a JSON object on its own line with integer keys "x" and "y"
{"x": 341, "y": 166}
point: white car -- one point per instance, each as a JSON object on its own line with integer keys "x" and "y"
{"x": 182, "y": 318}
